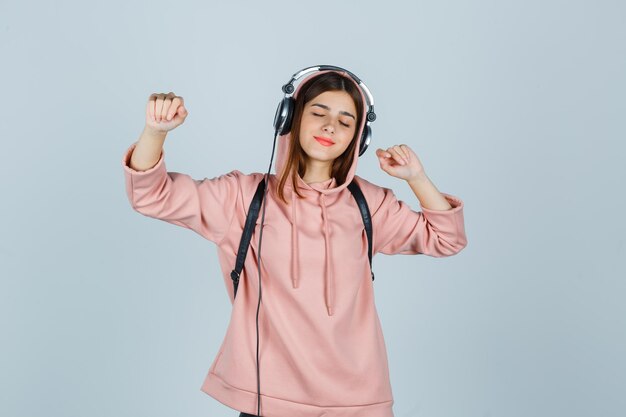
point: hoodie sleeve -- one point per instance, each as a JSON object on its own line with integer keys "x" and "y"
{"x": 400, "y": 230}
{"x": 205, "y": 206}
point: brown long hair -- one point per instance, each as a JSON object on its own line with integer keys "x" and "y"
{"x": 296, "y": 157}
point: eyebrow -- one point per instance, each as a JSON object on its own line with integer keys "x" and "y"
{"x": 328, "y": 108}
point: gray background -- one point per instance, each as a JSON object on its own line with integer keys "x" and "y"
{"x": 515, "y": 107}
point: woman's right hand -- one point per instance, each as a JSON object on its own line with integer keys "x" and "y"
{"x": 165, "y": 112}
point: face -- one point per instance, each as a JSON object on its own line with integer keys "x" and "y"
{"x": 331, "y": 116}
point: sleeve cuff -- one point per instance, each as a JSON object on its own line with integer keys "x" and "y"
{"x": 455, "y": 202}
{"x": 128, "y": 169}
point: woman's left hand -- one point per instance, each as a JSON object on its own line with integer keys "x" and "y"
{"x": 401, "y": 162}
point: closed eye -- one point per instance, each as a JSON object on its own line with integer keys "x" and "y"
{"x": 321, "y": 115}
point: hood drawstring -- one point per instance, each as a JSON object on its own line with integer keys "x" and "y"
{"x": 328, "y": 272}
{"x": 295, "y": 273}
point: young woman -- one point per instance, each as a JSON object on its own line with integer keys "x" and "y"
{"x": 321, "y": 351}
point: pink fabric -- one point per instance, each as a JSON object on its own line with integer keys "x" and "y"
{"x": 322, "y": 351}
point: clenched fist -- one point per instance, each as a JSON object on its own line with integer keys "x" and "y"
{"x": 165, "y": 112}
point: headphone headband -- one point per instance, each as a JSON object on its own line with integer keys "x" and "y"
{"x": 288, "y": 88}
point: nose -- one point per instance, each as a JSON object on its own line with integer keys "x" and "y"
{"x": 329, "y": 127}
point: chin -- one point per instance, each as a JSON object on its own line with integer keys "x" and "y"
{"x": 313, "y": 151}
{"x": 323, "y": 158}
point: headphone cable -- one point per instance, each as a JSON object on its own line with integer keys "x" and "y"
{"x": 266, "y": 179}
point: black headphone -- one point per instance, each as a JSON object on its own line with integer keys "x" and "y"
{"x": 285, "y": 109}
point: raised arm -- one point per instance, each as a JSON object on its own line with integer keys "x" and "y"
{"x": 205, "y": 206}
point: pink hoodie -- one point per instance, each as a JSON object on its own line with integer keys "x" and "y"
{"x": 321, "y": 346}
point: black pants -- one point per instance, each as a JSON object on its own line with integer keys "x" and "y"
{"x": 242, "y": 414}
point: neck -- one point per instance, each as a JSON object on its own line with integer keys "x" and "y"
{"x": 317, "y": 171}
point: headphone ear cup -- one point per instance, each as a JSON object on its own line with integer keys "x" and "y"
{"x": 366, "y": 137}
{"x": 284, "y": 115}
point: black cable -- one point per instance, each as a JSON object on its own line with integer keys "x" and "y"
{"x": 266, "y": 179}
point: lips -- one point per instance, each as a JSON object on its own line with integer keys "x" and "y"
{"x": 324, "y": 141}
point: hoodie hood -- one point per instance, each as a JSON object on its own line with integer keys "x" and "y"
{"x": 323, "y": 193}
